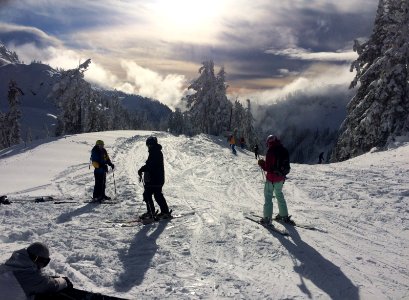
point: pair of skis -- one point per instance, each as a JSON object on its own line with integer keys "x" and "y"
{"x": 41, "y": 199}
{"x": 73, "y": 293}
{"x": 138, "y": 221}
{"x": 281, "y": 231}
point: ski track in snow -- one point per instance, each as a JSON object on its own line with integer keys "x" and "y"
{"x": 215, "y": 253}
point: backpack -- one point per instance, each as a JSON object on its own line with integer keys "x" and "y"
{"x": 282, "y": 162}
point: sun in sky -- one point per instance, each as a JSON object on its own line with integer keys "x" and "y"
{"x": 179, "y": 19}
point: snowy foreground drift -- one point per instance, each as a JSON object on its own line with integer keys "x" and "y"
{"x": 360, "y": 207}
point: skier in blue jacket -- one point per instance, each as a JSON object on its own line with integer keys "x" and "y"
{"x": 100, "y": 161}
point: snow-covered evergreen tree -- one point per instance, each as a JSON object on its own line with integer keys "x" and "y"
{"x": 220, "y": 108}
{"x": 29, "y": 136}
{"x": 199, "y": 101}
{"x": 84, "y": 109}
{"x": 176, "y": 122}
{"x": 12, "y": 118}
{"x": 237, "y": 117}
{"x": 247, "y": 126}
{"x": 208, "y": 105}
{"x": 72, "y": 93}
{"x": 379, "y": 112}
{"x": 3, "y": 131}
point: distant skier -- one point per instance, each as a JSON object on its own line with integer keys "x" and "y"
{"x": 100, "y": 161}
{"x": 154, "y": 179}
{"x": 255, "y": 149}
{"x": 21, "y": 276}
{"x": 275, "y": 178}
{"x": 232, "y": 143}
{"x": 242, "y": 143}
{"x": 321, "y": 158}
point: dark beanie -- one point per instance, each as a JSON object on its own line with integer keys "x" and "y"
{"x": 38, "y": 249}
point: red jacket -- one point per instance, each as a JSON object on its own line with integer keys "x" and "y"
{"x": 268, "y": 165}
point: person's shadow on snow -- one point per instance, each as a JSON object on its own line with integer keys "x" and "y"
{"x": 137, "y": 260}
{"x": 67, "y": 217}
{"x": 320, "y": 271}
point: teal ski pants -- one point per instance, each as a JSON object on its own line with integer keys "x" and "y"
{"x": 271, "y": 189}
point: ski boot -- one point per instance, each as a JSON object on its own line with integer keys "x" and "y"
{"x": 162, "y": 216}
{"x": 286, "y": 219}
{"x": 266, "y": 221}
{"x": 145, "y": 215}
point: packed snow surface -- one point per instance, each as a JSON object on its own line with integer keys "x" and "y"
{"x": 360, "y": 208}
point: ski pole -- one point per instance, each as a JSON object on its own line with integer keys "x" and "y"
{"x": 143, "y": 184}
{"x": 113, "y": 175}
{"x": 262, "y": 174}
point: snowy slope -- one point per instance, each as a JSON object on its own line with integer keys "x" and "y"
{"x": 360, "y": 207}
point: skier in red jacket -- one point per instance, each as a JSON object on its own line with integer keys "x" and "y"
{"x": 274, "y": 184}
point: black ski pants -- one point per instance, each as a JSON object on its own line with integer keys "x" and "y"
{"x": 99, "y": 187}
{"x": 156, "y": 191}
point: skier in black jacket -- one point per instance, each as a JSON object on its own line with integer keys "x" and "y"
{"x": 154, "y": 179}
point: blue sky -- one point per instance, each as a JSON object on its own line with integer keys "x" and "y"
{"x": 154, "y": 48}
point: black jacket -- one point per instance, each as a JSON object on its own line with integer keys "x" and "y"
{"x": 154, "y": 170}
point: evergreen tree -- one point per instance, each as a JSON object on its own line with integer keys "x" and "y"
{"x": 379, "y": 112}
{"x": 221, "y": 106}
{"x": 12, "y": 118}
{"x": 84, "y": 109}
{"x": 199, "y": 101}
{"x": 249, "y": 133}
{"x": 238, "y": 115}
{"x": 208, "y": 104}
{"x": 72, "y": 92}
{"x": 3, "y": 131}
{"x": 176, "y": 122}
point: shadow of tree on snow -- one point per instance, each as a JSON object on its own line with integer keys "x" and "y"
{"x": 320, "y": 271}
{"x": 137, "y": 260}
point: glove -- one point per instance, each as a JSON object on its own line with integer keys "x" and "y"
{"x": 140, "y": 178}
{"x": 69, "y": 283}
{"x": 112, "y": 166}
{"x": 261, "y": 162}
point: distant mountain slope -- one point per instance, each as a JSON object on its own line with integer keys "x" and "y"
{"x": 39, "y": 111}
{"x": 36, "y": 81}
{"x": 7, "y": 56}
{"x": 307, "y": 124}
{"x": 154, "y": 110}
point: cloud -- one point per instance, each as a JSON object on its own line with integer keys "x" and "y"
{"x": 303, "y": 54}
{"x": 20, "y": 35}
{"x": 4, "y": 2}
{"x": 145, "y": 82}
{"x": 137, "y": 80}
{"x": 319, "y": 79}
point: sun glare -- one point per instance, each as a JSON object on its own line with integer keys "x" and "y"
{"x": 187, "y": 15}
